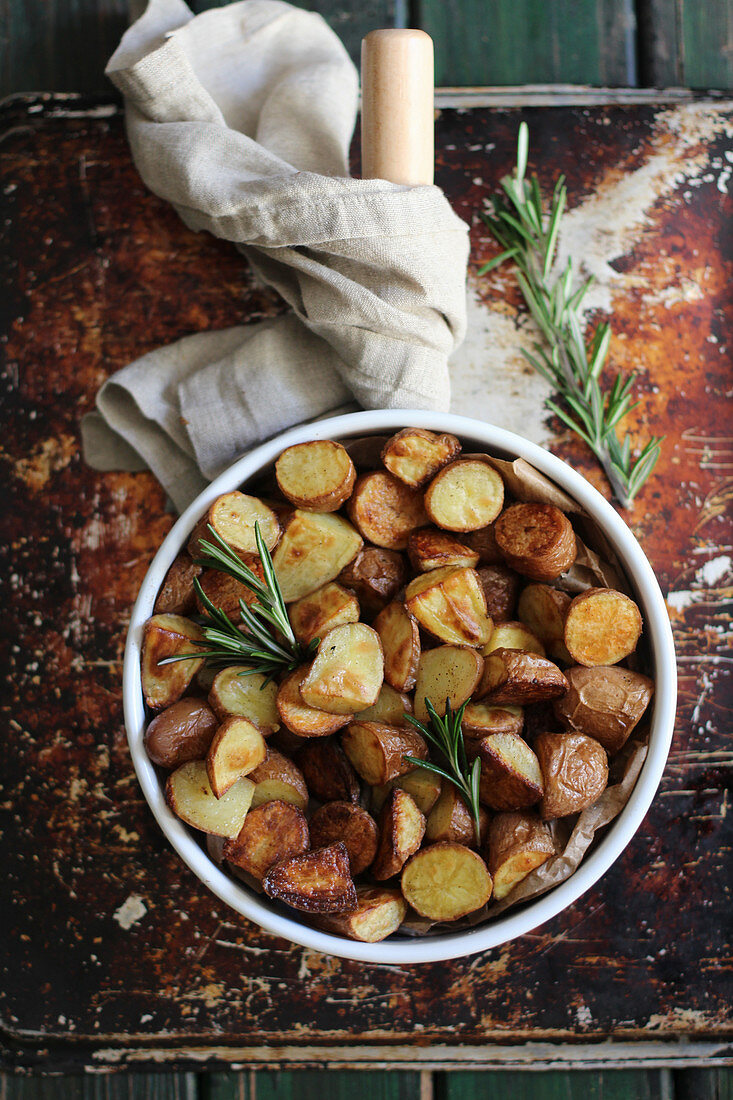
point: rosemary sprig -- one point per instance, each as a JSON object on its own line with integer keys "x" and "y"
{"x": 529, "y": 237}
{"x": 446, "y": 735}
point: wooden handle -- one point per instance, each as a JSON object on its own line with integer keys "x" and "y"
{"x": 397, "y": 115}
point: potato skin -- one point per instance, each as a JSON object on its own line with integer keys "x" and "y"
{"x": 181, "y": 732}
{"x": 604, "y": 702}
{"x": 315, "y": 882}
{"x": 226, "y": 592}
{"x": 517, "y": 844}
{"x": 177, "y": 595}
{"x": 384, "y": 510}
{"x": 327, "y": 772}
{"x": 374, "y": 576}
{"x": 414, "y": 455}
{"x": 450, "y": 819}
{"x": 351, "y": 824}
{"x": 513, "y": 676}
{"x": 602, "y": 627}
{"x": 376, "y": 750}
{"x": 574, "y": 770}
{"x": 379, "y": 912}
{"x": 298, "y": 717}
{"x": 277, "y": 768}
{"x": 511, "y": 778}
{"x": 271, "y": 832}
{"x": 501, "y": 588}
{"x": 168, "y": 636}
{"x": 536, "y": 539}
{"x": 401, "y": 829}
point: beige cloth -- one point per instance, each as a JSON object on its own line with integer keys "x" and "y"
{"x": 241, "y": 117}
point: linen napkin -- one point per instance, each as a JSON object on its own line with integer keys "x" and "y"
{"x": 241, "y": 117}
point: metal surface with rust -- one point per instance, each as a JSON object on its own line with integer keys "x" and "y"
{"x": 108, "y": 941}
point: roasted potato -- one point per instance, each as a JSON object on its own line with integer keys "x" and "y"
{"x": 511, "y": 778}
{"x": 450, "y": 604}
{"x": 190, "y": 797}
{"x": 391, "y": 707}
{"x": 450, "y": 819}
{"x": 479, "y": 719}
{"x": 428, "y": 548}
{"x": 233, "y": 516}
{"x": 513, "y": 676}
{"x": 423, "y": 785}
{"x": 374, "y": 576}
{"x": 575, "y": 772}
{"x": 401, "y": 829}
{"x": 237, "y": 748}
{"x": 604, "y": 702}
{"x": 226, "y": 592}
{"x": 348, "y": 671}
{"x": 315, "y": 882}
{"x": 500, "y": 586}
{"x": 314, "y": 615}
{"x": 168, "y": 636}
{"x": 177, "y": 595}
{"x": 181, "y": 732}
{"x": 513, "y": 636}
{"x": 602, "y": 627}
{"x": 237, "y": 692}
{"x": 313, "y": 550}
{"x": 271, "y": 832}
{"x": 415, "y": 455}
{"x": 465, "y": 496}
{"x": 278, "y": 779}
{"x": 446, "y": 881}
{"x": 377, "y": 750}
{"x": 385, "y": 510}
{"x": 537, "y": 540}
{"x": 483, "y": 542}
{"x": 517, "y": 844}
{"x": 379, "y": 912}
{"x": 328, "y": 774}
{"x": 400, "y": 637}
{"x": 449, "y": 672}
{"x": 351, "y": 824}
{"x": 298, "y": 717}
{"x": 543, "y": 609}
{"x": 317, "y": 476}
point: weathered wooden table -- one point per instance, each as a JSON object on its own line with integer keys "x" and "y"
{"x": 112, "y": 954}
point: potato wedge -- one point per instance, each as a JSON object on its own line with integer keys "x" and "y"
{"x": 450, "y": 604}
{"x": 314, "y": 615}
{"x": 234, "y": 515}
{"x": 479, "y": 719}
{"x": 423, "y": 786}
{"x": 483, "y": 542}
{"x": 385, "y": 510}
{"x": 181, "y": 732}
{"x": 465, "y": 496}
{"x": 450, "y": 819}
{"x": 537, "y": 540}
{"x": 517, "y": 844}
{"x": 347, "y": 672}
{"x": 374, "y": 576}
{"x": 272, "y": 832}
{"x": 190, "y": 797}
{"x": 447, "y": 672}
{"x": 379, "y": 912}
{"x": 446, "y": 881}
{"x": 168, "y": 636}
{"x": 513, "y": 636}
{"x": 401, "y": 829}
{"x": 575, "y": 772}
{"x": 428, "y": 548}
{"x": 602, "y": 627}
{"x": 328, "y": 774}
{"x": 414, "y": 455}
{"x": 237, "y": 749}
{"x": 605, "y": 703}
{"x": 314, "y": 549}
{"x": 400, "y": 637}
{"x": 376, "y": 750}
{"x": 239, "y": 693}
{"x": 177, "y": 595}
{"x": 351, "y": 824}
{"x": 298, "y": 717}
{"x": 501, "y": 587}
{"x": 226, "y": 592}
{"x": 511, "y": 778}
{"x": 316, "y": 882}
{"x": 513, "y": 676}
{"x": 391, "y": 707}
{"x": 317, "y": 476}
{"x": 543, "y": 610}
{"x": 277, "y": 778}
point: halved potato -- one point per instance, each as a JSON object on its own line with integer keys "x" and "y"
{"x": 575, "y": 772}
{"x": 513, "y": 676}
{"x": 501, "y": 587}
{"x": 465, "y": 496}
{"x": 451, "y": 819}
{"x": 385, "y": 510}
{"x": 239, "y": 693}
{"x": 314, "y": 549}
{"x": 415, "y": 455}
{"x": 316, "y": 882}
{"x": 298, "y": 717}
{"x": 543, "y": 609}
{"x": 537, "y": 540}
{"x": 602, "y": 627}
{"x": 513, "y": 636}
{"x": 401, "y": 829}
{"x": 277, "y": 778}
{"x": 391, "y": 707}
{"x": 351, "y": 824}
{"x": 517, "y": 844}
{"x": 605, "y": 702}
{"x": 379, "y": 912}
{"x": 447, "y": 672}
{"x": 450, "y": 604}
{"x": 328, "y": 774}
{"x": 177, "y": 595}
{"x": 314, "y": 615}
{"x": 236, "y": 750}
{"x": 376, "y": 750}
{"x": 270, "y": 833}
{"x": 446, "y": 881}
{"x": 181, "y": 732}
{"x": 482, "y": 718}
{"x": 317, "y": 476}
{"x": 234, "y": 515}
{"x": 400, "y": 637}
{"x": 424, "y": 787}
{"x": 374, "y": 576}
{"x": 168, "y": 636}
{"x": 511, "y": 778}
{"x": 428, "y": 548}
{"x": 189, "y": 795}
{"x": 347, "y": 672}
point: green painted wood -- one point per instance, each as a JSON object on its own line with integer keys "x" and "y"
{"x": 126, "y": 1086}
{"x": 703, "y": 1084}
{"x": 687, "y": 43}
{"x": 227, "y": 1086}
{"x": 569, "y": 1085}
{"x": 660, "y": 43}
{"x": 311, "y": 1085}
{"x": 532, "y": 41}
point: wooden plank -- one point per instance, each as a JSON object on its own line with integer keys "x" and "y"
{"x": 131, "y": 1086}
{"x": 314, "y": 1085}
{"x": 531, "y": 41}
{"x": 703, "y": 1084}
{"x": 568, "y": 1085}
{"x": 686, "y": 43}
